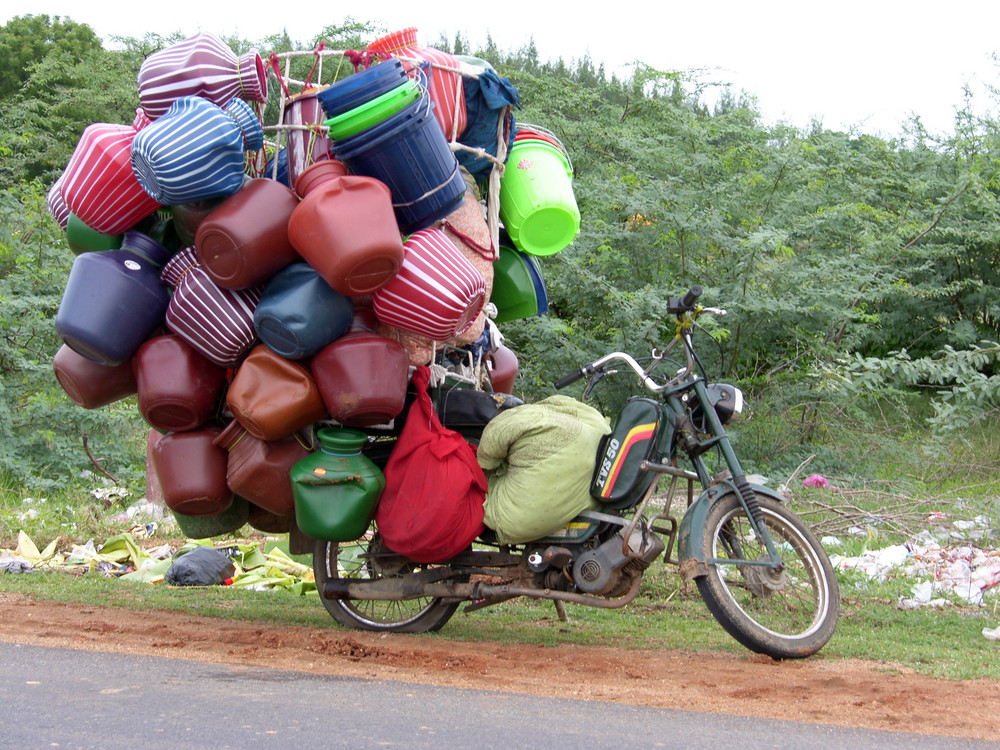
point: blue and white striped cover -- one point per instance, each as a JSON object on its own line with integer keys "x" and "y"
{"x": 196, "y": 150}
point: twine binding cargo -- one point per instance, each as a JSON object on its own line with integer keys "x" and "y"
{"x": 201, "y": 65}
{"x": 307, "y": 143}
{"x": 217, "y": 322}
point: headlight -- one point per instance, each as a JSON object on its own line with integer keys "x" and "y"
{"x": 727, "y": 400}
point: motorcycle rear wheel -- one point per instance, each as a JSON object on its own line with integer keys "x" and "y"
{"x": 787, "y": 614}
{"x": 365, "y": 560}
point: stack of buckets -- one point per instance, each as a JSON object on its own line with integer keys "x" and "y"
{"x": 248, "y": 316}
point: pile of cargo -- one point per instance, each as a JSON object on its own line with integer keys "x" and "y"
{"x": 251, "y": 283}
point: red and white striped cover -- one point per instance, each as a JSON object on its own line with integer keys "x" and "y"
{"x": 98, "y": 184}
{"x": 445, "y": 86}
{"x": 201, "y": 65}
{"x": 437, "y": 292}
{"x": 217, "y": 322}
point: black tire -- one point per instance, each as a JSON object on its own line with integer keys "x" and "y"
{"x": 788, "y": 614}
{"x": 368, "y": 559}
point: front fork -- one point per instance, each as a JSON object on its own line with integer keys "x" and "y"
{"x": 693, "y": 524}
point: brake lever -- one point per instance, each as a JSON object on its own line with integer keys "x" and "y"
{"x": 597, "y": 377}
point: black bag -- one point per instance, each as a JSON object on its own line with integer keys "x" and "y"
{"x": 202, "y": 566}
{"x": 467, "y": 411}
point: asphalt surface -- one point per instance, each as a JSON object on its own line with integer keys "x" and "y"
{"x": 59, "y": 698}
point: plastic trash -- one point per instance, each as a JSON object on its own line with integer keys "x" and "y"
{"x": 202, "y": 566}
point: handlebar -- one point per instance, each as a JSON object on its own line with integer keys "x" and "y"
{"x": 680, "y": 305}
{"x": 571, "y": 378}
{"x": 675, "y": 306}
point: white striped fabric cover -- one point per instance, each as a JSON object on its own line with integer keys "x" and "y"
{"x": 196, "y": 150}
{"x": 217, "y": 322}
{"x": 437, "y": 292}
{"x": 201, "y": 65}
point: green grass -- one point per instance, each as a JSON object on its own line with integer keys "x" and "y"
{"x": 944, "y": 643}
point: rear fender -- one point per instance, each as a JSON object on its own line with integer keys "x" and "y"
{"x": 692, "y": 529}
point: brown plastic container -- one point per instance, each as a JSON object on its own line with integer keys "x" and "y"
{"x": 273, "y": 397}
{"x": 345, "y": 228}
{"x": 244, "y": 241}
{"x": 259, "y": 470}
{"x": 90, "y": 384}
{"x": 192, "y": 472}
{"x": 179, "y": 388}
{"x": 362, "y": 376}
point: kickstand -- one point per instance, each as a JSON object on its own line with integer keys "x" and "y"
{"x": 560, "y": 610}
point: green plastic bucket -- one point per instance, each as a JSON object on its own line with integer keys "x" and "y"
{"x": 373, "y": 112}
{"x": 518, "y": 291}
{"x": 537, "y": 204}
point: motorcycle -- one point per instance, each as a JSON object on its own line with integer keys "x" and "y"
{"x": 759, "y": 569}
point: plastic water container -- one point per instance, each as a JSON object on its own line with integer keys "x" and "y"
{"x": 99, "y": 185}
{"x": 196, "y": 150}
{"x": 191, "y": 470}
{"x": 83, "y": 239}
{"x": 345, "y": 229}
{"x": 362, "y": 376}
{"x": 244, "y": 241}
{"x": 336, "y": 488}
{"x": 179, "y": 389}
{"x": 274, "y": 397}
{"x": 299, "y": 313}
{"x": 114, "y": 300}
{"x": 259, "y": 470}
{"x": 226, "y": 521}
{"x": 89, "y": 384}
{"x": 410, "y": 154}
{"x": 201, "y": 65}
{"x": 437, "y": 292}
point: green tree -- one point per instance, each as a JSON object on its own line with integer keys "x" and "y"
{"x": 27, "y": 40}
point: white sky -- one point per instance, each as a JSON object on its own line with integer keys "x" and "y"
{"x": 866, "y": 64}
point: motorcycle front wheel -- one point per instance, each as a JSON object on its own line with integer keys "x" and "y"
{"x": 368, "y": 559}
{"x": 786, "y": 613}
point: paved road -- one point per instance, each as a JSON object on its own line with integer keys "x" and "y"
{"x": 58, "y": 698}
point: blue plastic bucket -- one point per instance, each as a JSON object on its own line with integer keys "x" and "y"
{"x": 356, "y": 89}
{"x": 411, "y": 155}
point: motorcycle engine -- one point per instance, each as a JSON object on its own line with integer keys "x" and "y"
{"x": 601, "y": 570}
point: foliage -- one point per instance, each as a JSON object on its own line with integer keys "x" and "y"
{"x": 41, "y": 430}
{"x": 855, "y": 269}
{"x": 27, "y": 40}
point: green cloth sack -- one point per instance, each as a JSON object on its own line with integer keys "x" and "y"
{"x": 538, "y": 460}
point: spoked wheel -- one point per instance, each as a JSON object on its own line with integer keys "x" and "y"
{"x": 368, "y": 559}
{"x": 786, "y": 613}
